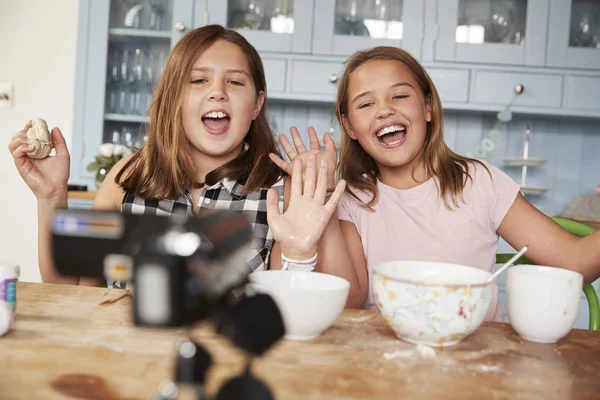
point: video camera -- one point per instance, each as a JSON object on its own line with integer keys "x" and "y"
{"x": 183, "y": 269}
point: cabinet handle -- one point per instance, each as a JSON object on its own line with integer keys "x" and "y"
{"x": 180, "y": 26}
{"x": 333, "y": 78}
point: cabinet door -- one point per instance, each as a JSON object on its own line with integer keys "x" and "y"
{"x": 506, "y": 32}
{"x": 342, "y": 27}
{"x": 123, "y": 46}
{"x": 574, "y": 35}
{"x": 270, "y": 25}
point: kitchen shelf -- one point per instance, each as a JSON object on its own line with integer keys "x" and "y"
{"x": 519, "y": 162}
{"x": 142, "y": 33}
{"x": 126, "y": 118}
{"x": 525, "y": 162}
{"x": 533, "y": 190}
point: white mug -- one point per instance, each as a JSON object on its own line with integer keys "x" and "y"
{"x": 542, "y": 302}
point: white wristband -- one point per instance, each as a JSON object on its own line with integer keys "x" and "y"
{"x": 289, "y": 264}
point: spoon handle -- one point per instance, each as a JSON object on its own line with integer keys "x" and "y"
{"x": 508, "y": 264}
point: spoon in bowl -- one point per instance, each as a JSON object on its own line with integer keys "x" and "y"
{"x": 508, "y": 264}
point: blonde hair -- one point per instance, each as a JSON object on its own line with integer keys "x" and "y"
{"x": 359, "y": 169}
{"x": 163, "y": 167}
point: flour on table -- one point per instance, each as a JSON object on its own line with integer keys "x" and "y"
{"x": 485, "y": 367}
{"x": 425, "y": 351}
{"x": 398, "y": 354}
{"x": 421, "y": 350}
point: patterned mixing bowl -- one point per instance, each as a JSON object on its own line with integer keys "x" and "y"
{"x": 431, "y": 303}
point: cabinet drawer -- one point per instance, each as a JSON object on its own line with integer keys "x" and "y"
{"x": 582, "y": 92}
{"x": 275, "y": 74}
{"x": 314, "y": 77}
{"x": 452, "y": 84}
{"x": 541, "y": 90}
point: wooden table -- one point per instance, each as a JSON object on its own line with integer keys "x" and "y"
{"x": 78, "y": 342}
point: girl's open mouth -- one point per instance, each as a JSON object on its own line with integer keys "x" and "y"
{"x": 392, "y": 136}
{"x": 216, "y": 122}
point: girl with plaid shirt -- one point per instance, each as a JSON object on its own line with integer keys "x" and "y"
{"x": 208, "y": 147}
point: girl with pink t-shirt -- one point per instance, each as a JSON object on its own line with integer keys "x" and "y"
{"x": 409, "y": 197}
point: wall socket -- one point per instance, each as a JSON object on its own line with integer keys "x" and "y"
{"x": 6, "y": 95}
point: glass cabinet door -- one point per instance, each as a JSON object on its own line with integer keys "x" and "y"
{"x": 270, "y": 25}
{"x": 511, "y": 32}
{"x": 344, "y": 26}
{"x": 126, "y": 43}
{"x": 574, "y": 36}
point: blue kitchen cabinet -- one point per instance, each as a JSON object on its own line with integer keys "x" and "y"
{"x": 342, "y": 27}
{"x": 476, "y": 51}
{"x": 121, "y": 49}
{"x": 283, "y": 26}
{"x": 574, "y": 35}
{"x": 499, "y": 32}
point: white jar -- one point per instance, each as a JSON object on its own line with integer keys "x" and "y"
{"x": 8, "y": 284}
{"x": 6, "y": 317}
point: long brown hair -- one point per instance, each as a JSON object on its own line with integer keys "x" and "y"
{"x": 163, "y": 167}
{"x": 359, "y": 169}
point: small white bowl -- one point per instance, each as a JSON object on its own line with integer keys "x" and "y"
{"x": 309, "y": 302}
{"x": 542, "y": 302}
{"x": 432, "y": 303}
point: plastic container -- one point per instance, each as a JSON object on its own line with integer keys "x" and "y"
{"x": 9, "y": 274}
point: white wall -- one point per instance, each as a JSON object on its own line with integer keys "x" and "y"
{"x": 37, "y": 55}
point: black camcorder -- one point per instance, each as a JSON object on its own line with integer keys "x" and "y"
{"x": 182, "y": 269}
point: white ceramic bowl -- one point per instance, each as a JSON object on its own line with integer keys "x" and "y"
{"x": 542, "y": 302}
{"x": 308, "y": 301}
{"x": 431, "y": 303}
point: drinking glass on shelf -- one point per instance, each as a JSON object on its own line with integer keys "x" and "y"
{"x": 137, "y": 82}
{"x": 154, "y": 69}
{"x": 156, "y": 12}
{"x": 132, "y": 76}
{"x": 116, "y": 137}
{"x": 126, "y": 137}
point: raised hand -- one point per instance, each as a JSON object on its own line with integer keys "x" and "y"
{"x": 299, "y": 228}
{"x": 301, "y": 153}
{"x": 48, "y": 177}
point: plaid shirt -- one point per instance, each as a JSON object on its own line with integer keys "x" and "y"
{"x": 224, "y": 195}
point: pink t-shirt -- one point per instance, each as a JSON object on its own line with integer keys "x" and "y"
{"x": 415, "y": 224}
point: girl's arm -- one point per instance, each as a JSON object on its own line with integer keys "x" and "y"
{"x": 47, "y": 178}
{"x": 549, "y": 244}
{"x": 341, "y": 254}
{"x": 107, "y": 198}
